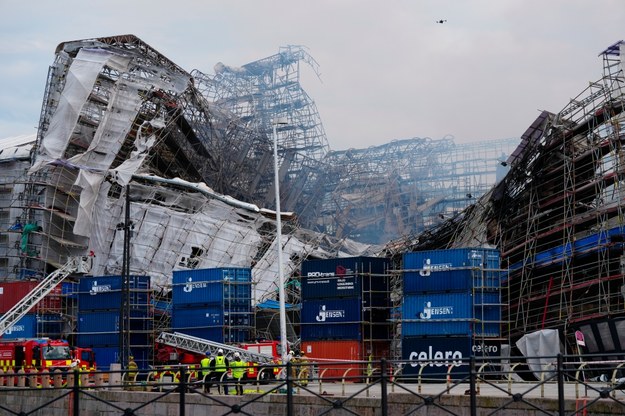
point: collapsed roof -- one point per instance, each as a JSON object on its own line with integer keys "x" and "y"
{"x": 190, "y": 154}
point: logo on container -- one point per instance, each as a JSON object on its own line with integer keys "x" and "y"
{"x": 329, "y": 314}
{"x": 95, "y": 288}
{"x": 435, "y": 358}
{"x": 430, "y": 311}
{"x": 485, "y": 348}
{"x": 189, "y": 286}
{"x": 15, "y": 328}
{"x": 320, "y": 274}
{"x": 428, "y": 267}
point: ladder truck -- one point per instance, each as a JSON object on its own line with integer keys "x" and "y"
{"x": 80, "y": 265}
{"x": 248, "y": 352}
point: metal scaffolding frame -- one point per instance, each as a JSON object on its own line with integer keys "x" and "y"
{"x": 557, "y": 217}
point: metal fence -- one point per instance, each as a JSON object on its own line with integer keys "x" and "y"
{"x": 559, "y": 385}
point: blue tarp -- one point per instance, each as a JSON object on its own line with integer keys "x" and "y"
{"x": 274, "y": 304}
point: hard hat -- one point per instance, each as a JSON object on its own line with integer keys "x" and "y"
{"x": 220, "y": 351}
{"x": 236, "y": 355}
{"x": 130, "y": 357}
{"x": 207, "y": 353}
{"x": 291, "y": 352}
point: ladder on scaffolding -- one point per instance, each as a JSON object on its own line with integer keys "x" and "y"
{"x": 201, "y": 346}
{"x": 80, "y": 265}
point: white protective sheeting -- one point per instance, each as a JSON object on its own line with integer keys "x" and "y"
{"x": 90, "y": 183}
{"x": 191, "y": 230}
{"x": 143, "y": 144}
{"x": 15, "y": 153}
{"x": 80, "y": 79}
{"x": 164, "y": 238}
{"x": 540, "y": 349}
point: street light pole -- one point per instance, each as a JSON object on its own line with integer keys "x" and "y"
{"x": 281, "y": 295}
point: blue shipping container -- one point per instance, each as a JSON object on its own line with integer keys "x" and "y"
{"x": 437, "y": 314}
{"x": 102, "y": 327}
{"x": 344, "y": 277}
{"x": 106, "y": 321}
{"x": 451, "y": 313}
{"x": 331, "y": 319}
{"x": 111, "y": 339}
{"x": 105, "y": 356}
{"x": 453, "y": 269}
{"x": 104, "y": 284}
{"x": 196, "y": 293}
{"x": 26, "y": 327}
{"x": 69, "y": 289}
{"x": 228, "y": 286}
{"x": 228, "y": 274}
{"x": 437, "y": 354}
{"x": 50, "y": 325}
{"x": 105, "y": 292}
{"x": 202, "y": 317}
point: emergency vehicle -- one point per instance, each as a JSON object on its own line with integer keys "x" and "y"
{"x": 269, "y": 348}
{"x": 85, "y": 358}
{"x": 42, "y": 354}
{"x": 187, "y": 349}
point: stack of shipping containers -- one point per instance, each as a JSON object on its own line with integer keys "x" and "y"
{"x": 213, "y": 304}
{"x": 43, "y": 320}
{"x": 451, "y": 310}
{"x": 99, "y": 302}
{"x": 345, "y": 311}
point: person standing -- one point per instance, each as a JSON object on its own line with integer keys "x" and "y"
{"x": 304, "y": 371}
{"x": 219, "y": 367}
{"x": 238, "y": 373}
{"x": 205, "y": 365}
{"x": 294, "y": 360}
{"x": 131, "y": 375}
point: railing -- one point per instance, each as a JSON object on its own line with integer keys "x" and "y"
{"x": 543, "y": 385}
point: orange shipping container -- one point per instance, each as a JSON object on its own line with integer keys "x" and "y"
{"x": 343, "y": 359}
{"x": 13, "y": 292}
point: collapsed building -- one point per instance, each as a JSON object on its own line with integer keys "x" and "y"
{"x": 557, "y": 219}
{"x": 153, "y": 169}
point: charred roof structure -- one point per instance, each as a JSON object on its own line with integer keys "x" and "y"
{"x": 406, "y": 186}
{"x": 558, "y": 218}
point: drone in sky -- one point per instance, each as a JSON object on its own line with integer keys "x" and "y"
{"x": 441, "y": 21}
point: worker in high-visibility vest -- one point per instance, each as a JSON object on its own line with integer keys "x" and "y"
{"x": 219, "y": 367}
{"x": 205, "y": 363}
{"x": 238, "y": 373}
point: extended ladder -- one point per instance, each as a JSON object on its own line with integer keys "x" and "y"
{"x": 74, "y": 265}
{"x": 201, "y": 346}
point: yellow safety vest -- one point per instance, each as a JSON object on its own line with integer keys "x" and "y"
{"x": 205, "y": 363}
{"x": 220, "y": 363}
{"x": 238, "y": 368}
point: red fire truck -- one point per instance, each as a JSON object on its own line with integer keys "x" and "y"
{"x": 85, "y": 357}
{"x": 42, "y": 354}
{"x": 270, "y": 348}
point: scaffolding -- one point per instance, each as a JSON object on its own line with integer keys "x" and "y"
{"x": 557, "y": 217}
{"x": 404, "y": 187}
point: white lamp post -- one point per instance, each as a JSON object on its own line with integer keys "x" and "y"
{"x": 281, "y": 295}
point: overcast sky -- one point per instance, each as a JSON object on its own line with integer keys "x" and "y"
{"x": 388, "y": 70}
